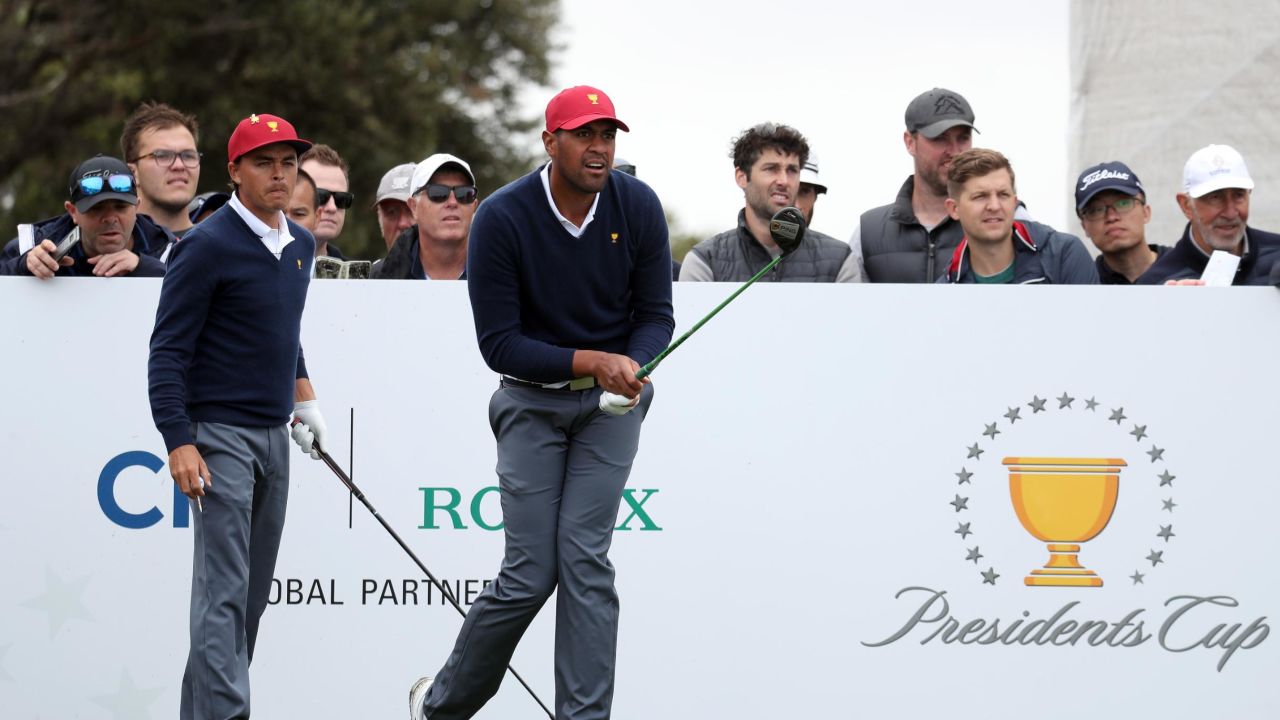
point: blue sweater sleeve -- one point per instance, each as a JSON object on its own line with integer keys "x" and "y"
{"x": 185, "y": 296}
{"x": 493, "y": 283}
{"x": 652, "y": 315}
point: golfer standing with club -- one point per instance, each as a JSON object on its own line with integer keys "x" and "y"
{"x": 569, "y": 272}
{"x": 226, "y": 373}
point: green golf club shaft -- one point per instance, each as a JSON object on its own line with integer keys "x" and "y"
{"x": 645, "y": 371}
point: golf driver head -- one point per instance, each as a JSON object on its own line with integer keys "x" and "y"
{"x": 787, "y": 229}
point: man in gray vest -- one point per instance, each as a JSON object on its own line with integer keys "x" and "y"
{"x": 767, "y": 160}
{"x": 911, "y": 239}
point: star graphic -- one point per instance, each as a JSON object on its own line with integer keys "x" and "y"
{"x": 964, "y": 476}
{"x": 973, "y": 555}
{"x": 1139, "y": 432}
{"x": 991, "y": 431}
{"x": 1036, "y": 404}
{"x": 963, "y": 530}
{"x": 1169, "y": 505}
{"x": 1091, "y": 404}
{"x": 1156, "y": 453}
{"x": 1014, "y": 415}
{"x": 129, "y": 700}
{"x": 976, "y": 452}
{"x": 1166, "y": 478}
{"x": 1065, "y": 401}
{"x": 989, "y": 576}
{"x": 960, "y": 503}
{"x": 1137, "y": 577}
{"x": 1117, "y": 415}
{"x": 1156, "y": 557}
{"x": 61, "y": 601}
{"x": 1166, "y": 532}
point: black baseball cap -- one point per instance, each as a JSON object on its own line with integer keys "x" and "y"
{"x": 101, "y": 178}
{"x": 937, "y": 111}
{"x": 1112, "y": 175}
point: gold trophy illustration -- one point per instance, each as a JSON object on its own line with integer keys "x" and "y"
{"x": 1064, "y": 502}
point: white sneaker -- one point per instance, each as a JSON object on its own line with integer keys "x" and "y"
{"x": 417, "y": 695}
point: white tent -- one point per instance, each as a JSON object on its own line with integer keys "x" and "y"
{"x": 1152, "y": 82}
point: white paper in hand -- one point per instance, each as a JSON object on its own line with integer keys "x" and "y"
{"x": 1221, "y": 270}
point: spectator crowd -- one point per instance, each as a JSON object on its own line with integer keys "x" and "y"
{"x": 956, "y": 219}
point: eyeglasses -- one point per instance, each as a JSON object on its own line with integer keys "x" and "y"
{"x": 1123, "y": 206}
{"x": 466, "y": 194}
{"x": 165, "y": 158}
{"x": 94, "y": 184}
{"x": 342, "y": 200}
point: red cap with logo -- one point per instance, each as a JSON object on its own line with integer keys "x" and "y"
{"x": 579, "y": 105}
{"x": 257, "y": 131}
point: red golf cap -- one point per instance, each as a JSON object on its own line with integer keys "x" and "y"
{"x": 256, "y": 131}
{"x": 579, "y": 105}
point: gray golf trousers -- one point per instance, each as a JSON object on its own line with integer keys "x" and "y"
{"x": 562, "y": 465}
{"x": 236, "y": 541}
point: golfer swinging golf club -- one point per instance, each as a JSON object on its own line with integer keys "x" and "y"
{"x": 569, "y": 272}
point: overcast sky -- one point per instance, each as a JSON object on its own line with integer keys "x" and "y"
{"x": 689, "y": 76}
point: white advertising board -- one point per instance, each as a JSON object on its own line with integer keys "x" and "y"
{"x": 831, "y": 515}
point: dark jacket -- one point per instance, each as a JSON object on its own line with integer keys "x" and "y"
{"x": 403, "y": 261}
{"x": 149, "y": 243}
{"x": 897, "y": 248}
{"x": 1041, "y": 255}
{"x": 1107, "y": 276}
{"x": 735, "y": 256}
{"x": 1186, "y": 261}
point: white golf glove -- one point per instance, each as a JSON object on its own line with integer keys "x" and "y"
{"x": 616, "y": 404}
{"x": 309, "y": 431}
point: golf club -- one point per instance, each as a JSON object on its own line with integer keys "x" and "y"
{"x": 787, "y": 230}
{"x": 346, "y": 480}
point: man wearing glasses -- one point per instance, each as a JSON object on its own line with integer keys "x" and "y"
{"x": 160, "y": 145}
{"x": 329, "y": 170}
{"x": 442, "y": 201}
{"x": 1113, "y": 210}
{"x": 100, "y": 235}
{"x": 1217, "y": 188}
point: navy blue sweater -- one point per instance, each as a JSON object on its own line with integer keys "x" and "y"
{"x": 538, "y": 293}
{"x": 225, "y": 347}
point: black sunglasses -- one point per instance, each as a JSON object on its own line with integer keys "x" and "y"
{"x": 343, "y": 200}
{"x": 466, "y": 194}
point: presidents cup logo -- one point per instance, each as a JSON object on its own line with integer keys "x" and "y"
{"x": 1065, "y": 502}
{"x": 1047, "y": 476}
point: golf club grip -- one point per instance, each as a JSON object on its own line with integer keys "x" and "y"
{"x": 652, "y": 365}
{"x": 444, "y": 592}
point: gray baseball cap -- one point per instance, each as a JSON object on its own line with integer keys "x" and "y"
{"x": 395, "y": 184}
{"x": 937, "y": 111}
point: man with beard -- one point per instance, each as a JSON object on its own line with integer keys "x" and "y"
{"x": 569, "y": 273}
{"x": 115, "y": 241}
{"x": 159, "y": 143}
{"x": 767, "y": 160}
{"x": 1215, "y": 200}
{"x": 910, "y": 239}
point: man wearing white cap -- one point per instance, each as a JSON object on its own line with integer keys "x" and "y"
{"x": 442, "y": 201}
{"x": 1215, "y": 199}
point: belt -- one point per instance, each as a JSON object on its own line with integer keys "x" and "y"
{"x": 582, "y": 383}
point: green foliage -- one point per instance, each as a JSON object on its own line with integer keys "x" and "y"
{"x": 382, "y": 81}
